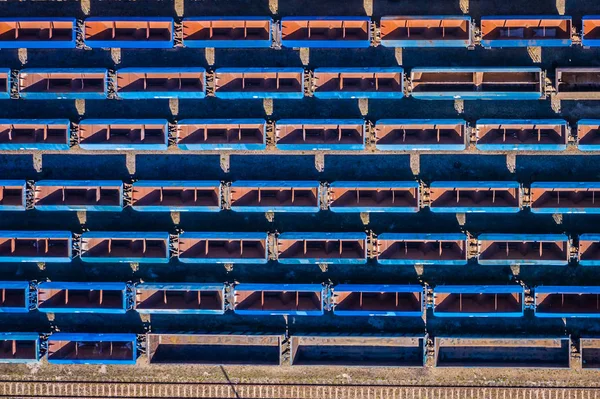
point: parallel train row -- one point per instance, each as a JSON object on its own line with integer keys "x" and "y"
{"x": 300, "y": 196}
{"x": 300, "y": 299}
{"x": 295, "y": 32}
{"x": 434, "y": 83}
{"x": 300, "y": 350}
{"x": 298, "y": 134}
{"x": 299, "y": 248}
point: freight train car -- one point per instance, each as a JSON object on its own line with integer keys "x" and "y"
{"x": 33, "y": 32}
{"x": 129, "y": 32}
{"x": 246, "y": 83}
{"x": 14, "y": 297}
{"x": 522, "y": 135}
{"x": 19, "y": 347}
{"x": 326, "y": 32}
{"x": 346, "y": 83}
{"x": 588, "y": 134}
{"x": 378, "y": 300}
{"x": 421, "y": 135}
{"x": 279, "y": 299}
{"x": 36, "y": 246}
{"x": 223, "y": 247}
{"x": 567, "y": 301}
{"x": 590, "y": 34}
{"x": 13, "y": 195}
{"x": 227, "y": 32}
{"x": 124, "y": 247}
{"x": 589, "y": 250}
{"x": 5, "y": 83}
{"x": 66, "y": 297}
{"x": 357, "y": 350}
{"x": 477, "y": 83}
{"x": 176, "y": 196}
{"x": 78, "y": 195}
{"x": 222, "y": 134}
{"x": 157, "y": 83}
{"x": 577, "y": 83}
{"x": 425, "y": 249}
{"x": 124, "y": 134}
{"x": 35, "y": 134}
{"x": 320, "y": 134}
{"x": 475, "y": 197}
{"x": 322, "y": 248}
{"x": 478, "y": 301}
{"x": 214, "y": 349}
{"x": 374, "y": 196}
{"x": 63, "y": 83}
{"x": 88, "y": 348}
{"x": 184, "y": 298}
{"x": 524, "y": 249}
{"x": 505, "y": 352}
{"x": 590, "y": 352}
{"x": 275, "y": 196}
{"x": 565, "y": 197}
{"x": 529, "y": 31}
{"x": 426, "y": 31}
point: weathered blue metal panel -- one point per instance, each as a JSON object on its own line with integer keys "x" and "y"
{"x": 589, "y": 250}
{"x": 185, "y": 204}
{"x": 371, "y": 82}
{"x": 425, "y": 249}
{"x": 312, "y": 248}
{"x": 52, "y": 201}
{"x": 506, "y": 83}
{"x": 577, "y": 197}
{"x": 186, "y": 139}
{"x": 93, "y": 24}
{"x": 588, "y": 133}
{"x": 15, "y": 297}
{"x": 47, "y": 33}
{"x": 94, "y": 134}
{"x": 36, "y": 246}
{"x": 5, "y": 83}
{"x": 157, "y": 83}
{"x": 567, "y": 301}
{"x": 31, "y": 89}
{"x": 522, "y": 134}
{"x": 253, "y": 248}
{"x": 478, "y": 301}
{"x": 248, "y": 83}
{"x": 322, "y": 135}
{"x": 121, "y": 349}
{"x": 429, "y": 31}
{"x": 311, "y": 303}
{"x": 228, "y": 32}
{"x": 353, "y": 35}
{"x": 195, "y": 303}
{"x": 524, "y": 249}
{"x": 258, "y": 196}
{"x": 439, "y": 134}
{"x": 13, "y": 195}
{"x": 400, "y": 196}
{"x": 24, "y": 134}
{"x": 590, "y": 36}
{"x": 526, "y": 31}
{"x": 389, "y": 300}
{"x": 475, "y": 197}
{"x": 69, "y": 303}
{"x": 27, "y": 349}
{"x": 157, "y": 253}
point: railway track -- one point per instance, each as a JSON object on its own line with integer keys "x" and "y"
{"x": 90, "y": 390}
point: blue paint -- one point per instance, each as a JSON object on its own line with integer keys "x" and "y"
{"x": 38, "y": 235}
{"x": 375, "y": 185}
{"x": 533, "y": 42}
{"x": 581, "y": 186}
{"x": 232, "y": 146}
{"x": 88, "y": 184}
{"x": 518, "y": 238}
{"x": 39, "y": 146}
{"x": 377, "y": 288}
{"x": 313, "y": 288}
{"x": 257, "y": 93}
{"x": 138, "y": 146}
{"x": 424, "y": 146}
{"x": 557, "y": 146}
{"x": 184, "y": 287}
{"x": 66, "y": 308}
{"x": 87, "y": 257}
{"x": 588, "y": 122}
{"x": 569, "y": 290}
{"x": 482, "y": 185}
{"x": 154, "y": 93}
{"x": 322, "y": 146}
{"x": 22, "y": 184}
{"x": 15, "y": 285}
{"x": 478, "y": 289}
{"x": 22, "y": 336}
{"x": 336, "y": 94}
{"x": 307, "y": 42}
{"x": 424, "y": 238}
{"x": 301, "y": 260}
{"x": 268, "y": 184}
{"x": 437, "y": 42}
{"x": 77, "y": 338}
{"x": 586, "y": 41}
